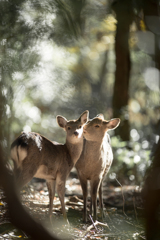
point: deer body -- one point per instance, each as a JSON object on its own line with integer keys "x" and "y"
{"x": 36, "y": 156}
{"x": 100, "y": 156}
{"x": 95, "y": 160}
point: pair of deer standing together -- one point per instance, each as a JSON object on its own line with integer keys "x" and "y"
{"x": 36, "y": 156}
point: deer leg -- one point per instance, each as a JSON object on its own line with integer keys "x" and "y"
{"x": 60, "y": 185}
{"x": 101, "y": 200}
{"x": 51, "y": 189}
{"x": 85, "y": 193}
{"x": 91, "y": 207}
{"x": 94, "y": 190}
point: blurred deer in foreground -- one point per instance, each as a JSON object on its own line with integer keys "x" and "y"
{"x": 36, "y": 156}
{"x": 95, "y": 160}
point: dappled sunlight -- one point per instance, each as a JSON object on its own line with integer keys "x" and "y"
{"x": 137, "y": 159}
{"x": 29, "y": 14}
{"x": 53, "y": 55}
{"x": 127, "y": 160}
{"x": 134, "y": 106}
{"x": 35, "y": 114}
{"x": 112, "y": 176}
{"x": 4, "y": 91}
{"x": 27, "y": 128}
{"x": 93, "y": 56}
{"x": 131, "y": 177}
{"x": 152, "y": 78}
{"x": 145, "y": 144}
{"x": 142, "y": 168}
{"x": 18, "y": 76}
{"x": 146, "y": 42}
{"x": 8, "y": 111}
{"x": 134, "y": 134}
{"x": 31, "y": 111}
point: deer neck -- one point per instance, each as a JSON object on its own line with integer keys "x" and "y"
{"x": 74, "y": 150}
{"x": 91, "y": 147}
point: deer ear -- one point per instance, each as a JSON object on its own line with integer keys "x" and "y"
{"x": 84, "y": 117}
{"x": 62, "y": 121}
{"x": 100, "y": 115}
{"x": 112, "y": 124}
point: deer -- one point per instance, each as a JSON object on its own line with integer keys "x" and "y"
{"x": 34, "y": 155}
{"x": 95, "y": 160}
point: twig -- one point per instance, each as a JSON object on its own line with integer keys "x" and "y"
{"x": 107, "y": 235}
{"x": 102, "y": 224}
{"x": 142, "y": 237}
{"x": 140, "y": 208}
{"x": 122, "y": 196}
{"x": 94, "y": 226}
{"x": 93, "y": 222}
{"x": 97, "y": 223}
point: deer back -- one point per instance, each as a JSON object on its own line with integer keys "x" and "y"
{"x": 40, "y": 155}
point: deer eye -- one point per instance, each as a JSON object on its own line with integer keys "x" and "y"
{"x": 80, "y": 126}
{"x": 68, "y": 128}
{"x": 97, "y": 126}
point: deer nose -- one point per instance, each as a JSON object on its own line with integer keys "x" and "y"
{"x": 76, "y": 133}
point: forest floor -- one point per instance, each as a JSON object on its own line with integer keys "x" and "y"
{"x": 123, "y": 213}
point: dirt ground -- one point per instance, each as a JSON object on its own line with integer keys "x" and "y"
{"x": 123, "y": 212}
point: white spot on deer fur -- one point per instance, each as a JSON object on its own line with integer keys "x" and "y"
{"x": 22, "y": 153}
{"x": 38, "y": 143}
{"x": 35, "y": 137}
{"x": 14, "y": 154}
{"x": 18, "y": 154}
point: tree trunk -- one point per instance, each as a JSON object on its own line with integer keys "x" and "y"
{"x": 151, "y": 11}
{"x": 151, "y": 195}
{"x": 124, "y": 15}
{"x": 151, "y": 190}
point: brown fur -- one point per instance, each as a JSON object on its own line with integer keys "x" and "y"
{"x": 36, "y": 156}
{"x": 95, "y": 160}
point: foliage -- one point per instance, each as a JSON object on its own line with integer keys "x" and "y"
{"x": 130, "y": 161}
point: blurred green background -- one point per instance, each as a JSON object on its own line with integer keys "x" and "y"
{"x": 63, "y": 57}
